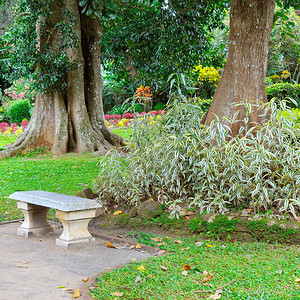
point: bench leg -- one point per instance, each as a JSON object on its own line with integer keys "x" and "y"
{"x": 75, "y": 227}
{"x": 35, "y": 221}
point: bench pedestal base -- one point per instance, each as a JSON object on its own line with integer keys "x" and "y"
{"x": 75, "y": 227}
{"x": 35, "y": 221}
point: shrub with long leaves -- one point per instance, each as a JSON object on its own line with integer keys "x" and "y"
{"x": 181, "y": 162}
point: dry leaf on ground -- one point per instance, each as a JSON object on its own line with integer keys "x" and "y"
{"x": 187, "y": 248}
{"x": 215, "y": 296}
{"x": 184, "y": 273}
{"x": 117, "y": 294}
{"x": 156, "y": 239}
{"x": 297, "y": 280}
{"x": 210, "y": 246}
{"x": 110, "y": 244}
{"x": 86, "y": 280}
{"x": 164, "y": 268}
{"x": 76, "y": 293}
{"x": 178, "y": 242}
{"x": 186, "y": 267}
{"x": 199, "y": 244}
{"x": 25, "y": 261}
{"x": 207, "y": 278}
{"x": 117, "y": 212}
{"x": 21, "y": 266}
{"x": 138, "y": 278}
{"x": 141, "y": 268}
{"x": 138, "y": 246}
{"x": 160, "y": 252}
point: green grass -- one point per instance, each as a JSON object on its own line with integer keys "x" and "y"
{"x": 67, "y": 174}
{"x": 6, "y": 139}
{"x": 261, "y": 271}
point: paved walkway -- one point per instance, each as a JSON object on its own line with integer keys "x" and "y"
{"x": 50, "y": 266}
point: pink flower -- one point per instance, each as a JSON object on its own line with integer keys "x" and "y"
{"x": 21, "y": 95}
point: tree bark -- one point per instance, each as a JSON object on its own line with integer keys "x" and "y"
{"x": 246, "y": 67}
{"x": 72, "y": 121}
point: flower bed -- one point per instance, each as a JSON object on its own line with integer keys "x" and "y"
{"x": 127, "y": 118}
{"x": 13, "y": 128}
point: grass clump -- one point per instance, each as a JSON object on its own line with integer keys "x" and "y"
{"x": 179, "y": 161}
{"x": 260, "y": 271}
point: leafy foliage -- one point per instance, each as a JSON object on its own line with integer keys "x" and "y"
{"x": 284, "y": 91}
{"x": 19, "y": 110}
{"x": 141, "y": 38}
{"x": 180, "y": 162}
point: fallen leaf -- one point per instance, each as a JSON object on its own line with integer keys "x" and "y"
{"x": 76, "y": 293}
{"x": 160, "y": 252}
{"x": 61, "y": 287}
{"x": 232, "y": 240}
{"x": 187, "y": 218}
{"x": 207, "y": 277}
{"x": 131, "y": 247}
{"x": 208, "y": 245}
{"x": 141, "y": 268}
{"x": 86, "y": 280}
{"x": 117, "y": 212}
{"x": 138, "y": 246}
{"x": 138, "y": 278}
{"x": 199, "y": 244}
{"x": 297, "y": 280}
{"x": 110, "y": 245}
{"x": 21, "y": 266}
{"x": 184, "y": 273}
{"x": 156, "y": 239}
{"x": 41, "y": 240}
{"x": 133, "y": 259}
{"x": 5, "y": 235}
{"x": 189, "y": 213}
{"x": 278, "y": 272}
{"x": 160, "y": 244}
{"x": 117, "y": 294}
{"x": 167, "y": 238}
{"x": 164, "y": 268}
{"x": 25, "y": 261}
{"x": 186, "y": 267}
{"x": 149, "y": 276}
{"x": 69, "y": 290}
{"x": 187, "y": 248}
{"x": 178, "y": 242}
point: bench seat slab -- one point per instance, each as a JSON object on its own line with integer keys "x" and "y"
{"x": 75, "y": 227}
{"x": 35, "y": 221}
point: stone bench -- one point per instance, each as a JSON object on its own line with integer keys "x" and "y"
{"x": 75, "y": 214}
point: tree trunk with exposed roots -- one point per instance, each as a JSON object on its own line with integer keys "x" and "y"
{"x": 246, "y": 67}
{"x": 72, "y": 121}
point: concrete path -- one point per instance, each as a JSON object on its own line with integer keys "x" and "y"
{"x": 50, "y": 266}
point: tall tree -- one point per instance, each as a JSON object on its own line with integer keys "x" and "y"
{"x": 244, "y": 75}
{"x": 68, "y": 114}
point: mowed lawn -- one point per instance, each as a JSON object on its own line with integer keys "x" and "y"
{"x": 188, "y": 270}
{"x": 66, "y": 174}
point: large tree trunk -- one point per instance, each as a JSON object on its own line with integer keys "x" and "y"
{"x": 71, "y": 121}
{"x": 245, "y": 71}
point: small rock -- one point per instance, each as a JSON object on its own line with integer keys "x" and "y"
{"x": 86, "y": 193}
{"x": 133, "y": 212}
{"x": 149, "y": 209}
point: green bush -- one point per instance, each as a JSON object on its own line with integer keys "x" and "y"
{"x": 179, "y": 161}
{"x": 284, "y": 91}
{"x": 19, "y": 110}
{"x": 159, "y": 106}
